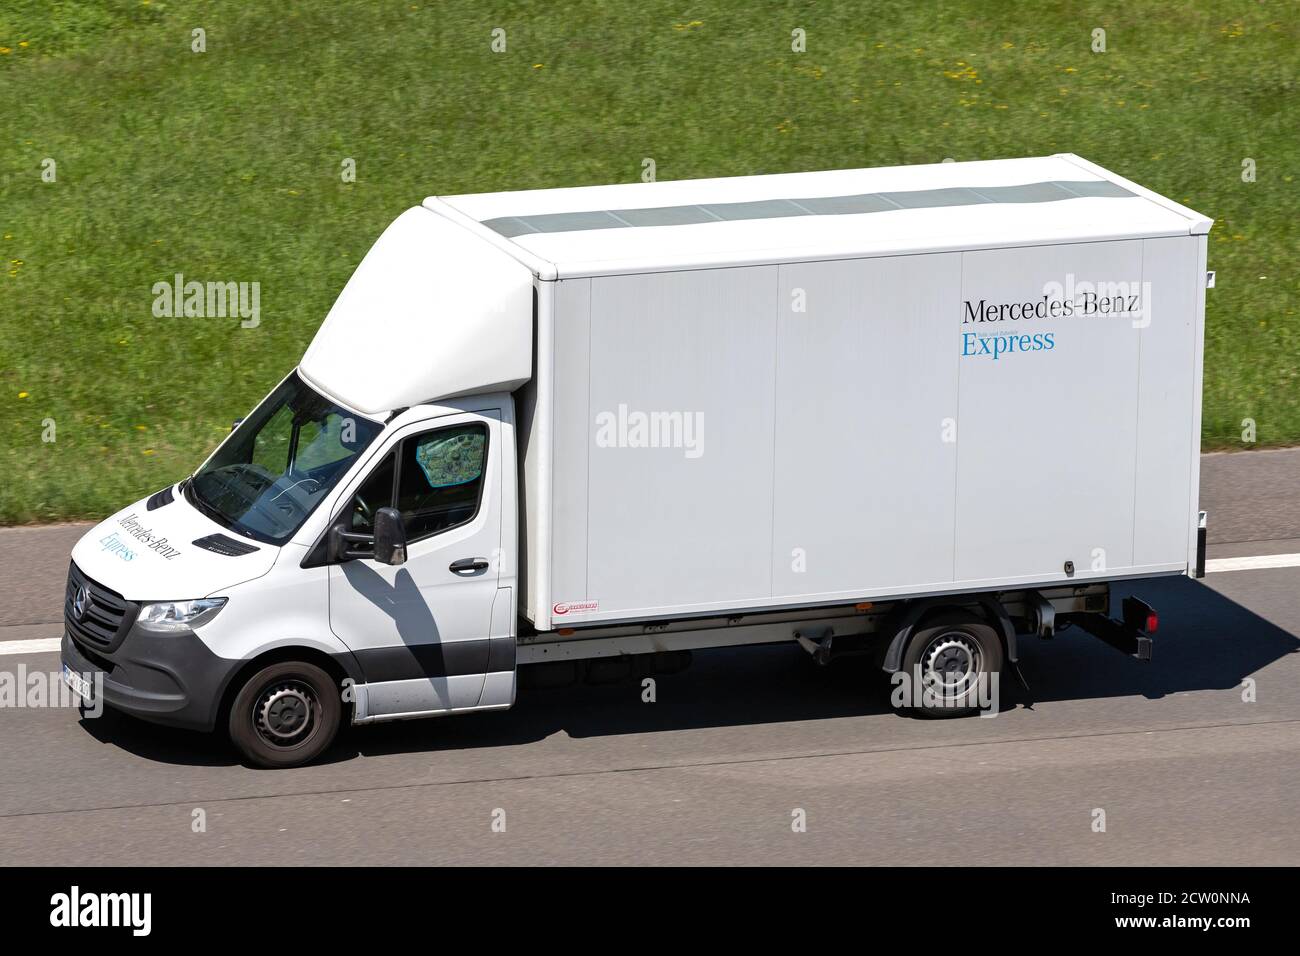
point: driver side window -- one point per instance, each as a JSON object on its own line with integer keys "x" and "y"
{"x": 438, "y": 487}
{"x": 441, "y": 480}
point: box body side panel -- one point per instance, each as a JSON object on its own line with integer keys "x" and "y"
{"x": 825, "y": 432}
{"x": 570, "y": 494}
{"x": 679, "y": 438}
{"x": 1168, "y": 441}
{"x": 1046, "y": 453}
{"x": 866, "y": 433}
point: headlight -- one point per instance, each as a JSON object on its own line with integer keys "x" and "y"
{"x": 174, "y": 616}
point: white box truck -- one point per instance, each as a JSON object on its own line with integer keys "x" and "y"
{"x": 917, "y": 412}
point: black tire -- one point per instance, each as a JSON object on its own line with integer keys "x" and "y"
{"x": 286, "y": 715}
{"x": 952, "y": 654}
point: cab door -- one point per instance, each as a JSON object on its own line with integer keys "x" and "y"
{"x": 422, "y": 630}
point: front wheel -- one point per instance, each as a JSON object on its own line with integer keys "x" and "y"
{"x": 953, "y": 664}
{"x": 286, "y": 715}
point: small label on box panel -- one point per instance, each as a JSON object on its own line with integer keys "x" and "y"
{"x": 576, "y": 607}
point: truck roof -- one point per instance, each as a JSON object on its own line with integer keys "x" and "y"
{"x": 833, "y": 214}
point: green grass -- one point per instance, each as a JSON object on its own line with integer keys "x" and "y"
{"x": 225, "y": 166}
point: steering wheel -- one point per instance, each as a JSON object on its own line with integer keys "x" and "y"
{"x": 363, "y": 509}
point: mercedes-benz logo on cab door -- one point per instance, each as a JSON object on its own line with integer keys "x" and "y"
{"x": 80, "y": 603}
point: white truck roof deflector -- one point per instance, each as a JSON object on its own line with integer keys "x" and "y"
{"x": 429, "y": 314}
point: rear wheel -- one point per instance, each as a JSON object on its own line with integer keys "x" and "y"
{"x": 286, "y": 715}
{"x": 953, "y": 664}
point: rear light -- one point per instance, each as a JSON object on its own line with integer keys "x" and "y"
{"x": 1139, "y": 617}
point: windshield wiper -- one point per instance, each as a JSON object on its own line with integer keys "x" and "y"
{"x": 216, "y": 514}
{"x": 191, "y": 493}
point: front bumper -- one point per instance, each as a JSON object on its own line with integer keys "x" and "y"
{"x": 167, "y": 679}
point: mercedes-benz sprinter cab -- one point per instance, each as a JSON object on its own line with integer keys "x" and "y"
{"x": 236, "y": 595}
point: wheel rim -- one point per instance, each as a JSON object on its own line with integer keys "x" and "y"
{"x": 286, "y": 713}
{"x": 951, "y": 663}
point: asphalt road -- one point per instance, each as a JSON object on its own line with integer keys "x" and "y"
{"x": 1186, "y": 771}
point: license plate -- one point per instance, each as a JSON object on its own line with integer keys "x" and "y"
{"x": 80, "y": 686}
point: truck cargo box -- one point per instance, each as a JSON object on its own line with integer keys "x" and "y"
{"x": 821, "y": 388}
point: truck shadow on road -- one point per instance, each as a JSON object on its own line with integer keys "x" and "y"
{"x": 1206, "y": 642}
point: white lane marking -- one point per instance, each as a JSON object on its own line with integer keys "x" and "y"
{"x": 42, "y": 645}
{"x": 1255, "y": 563}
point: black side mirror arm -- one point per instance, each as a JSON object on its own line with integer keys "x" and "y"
{"x": 340, "y": 545}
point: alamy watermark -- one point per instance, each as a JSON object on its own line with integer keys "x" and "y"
{"x": 37, "y": 689}
{"x": 212, "y": 300}
{"x": 79, "y": 908}
{"x": 1129, "y": 300}
{"x": 980, "y": 690}
{"x": 627, "y": 428}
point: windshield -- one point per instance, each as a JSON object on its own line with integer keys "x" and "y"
{"x": 280, "y": 462}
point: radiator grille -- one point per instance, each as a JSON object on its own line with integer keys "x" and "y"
{"x": 104, "y": 616}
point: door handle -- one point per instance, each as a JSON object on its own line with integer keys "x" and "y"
{"x": 468, "y": 565}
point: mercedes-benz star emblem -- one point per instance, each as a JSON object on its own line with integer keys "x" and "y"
{"x": 80, "y": 602}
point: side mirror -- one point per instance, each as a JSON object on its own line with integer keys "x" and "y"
{"x": 387, "y": 545}
{"x": 390, "y": 537}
